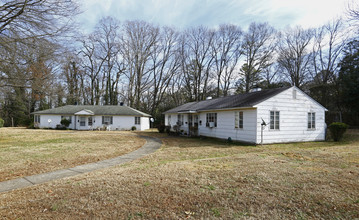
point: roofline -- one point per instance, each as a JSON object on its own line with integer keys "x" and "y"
{"x": 325, "y": 109}
{"x": 34, "y": 113}
{"x": 253, "y": 106}
{"x": 210, "y": 110}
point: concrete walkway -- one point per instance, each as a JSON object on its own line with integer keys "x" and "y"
{"x": 151, "y": 145}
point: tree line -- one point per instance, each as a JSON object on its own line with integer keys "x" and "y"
{"x": 45, "y": 63}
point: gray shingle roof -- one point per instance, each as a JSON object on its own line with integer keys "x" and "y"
{"x": 96, "y": 109}
{"x": 233, "y": 101}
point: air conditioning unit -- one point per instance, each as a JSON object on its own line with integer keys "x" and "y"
{"x": 211, "y": 124}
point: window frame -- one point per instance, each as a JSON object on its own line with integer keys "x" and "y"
{"x": 274, "y": 120}
{"x": 106, "y": 118}
{"x": 137, "y": 120}
{"x": 178, "y": 119}
{"x": 311, "y": 121}
{"x": 82, "y": 120}
{"x": 37, "y": 119}
{"x": 238, "y": 119}
{"x": 211, "y": 117}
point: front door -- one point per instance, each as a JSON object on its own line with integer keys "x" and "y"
{"x": 193, "y": 124}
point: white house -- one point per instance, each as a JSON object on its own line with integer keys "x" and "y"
{"x": 88, "y": 117}
{"x": 268, "y": 116}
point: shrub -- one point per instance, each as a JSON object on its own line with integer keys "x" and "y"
{"x": 168, "y": 129}
{"x": 1, "y": 123}
{"x": 61, "y": 127}
{"x": 133, "y": 128}
{"x": 337, "y": 130}
{"x": 65, "y": 122}
{"x": 161, "y": 128}
{"x": 31, "y": 126}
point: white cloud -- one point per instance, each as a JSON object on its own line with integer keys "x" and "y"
{"x": 186, "y": 13}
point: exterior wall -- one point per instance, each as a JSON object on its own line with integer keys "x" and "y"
{"x": 226, "y": 127}
{"x": 145, "y": 124}
{"x": 174, "y": 119}
{"x": 119, "y": 122}
{"x": 54, "y": 120}
{"x": 293, "y": 118}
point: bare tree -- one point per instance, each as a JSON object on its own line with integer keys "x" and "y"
{"x": 258, "y": 48}
{"x": 165, "y": 63}
{"x": 294, "y": 55}
{"x": 72, "y": 74}
{"x": 92, "y": 66}
{"x": 36, "y": 18}
{"x": 328, "y": 46}
{"x": 353, "y": 10}
{"x": 196, "y": 61}
{"x": 139, "y": 39}
{"x": 23, "y": 23}
{"x": 226, "y": 48}
{"x": 107, "y": 37}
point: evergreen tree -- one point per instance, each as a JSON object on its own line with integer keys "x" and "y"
{"x": 349, "y": 77}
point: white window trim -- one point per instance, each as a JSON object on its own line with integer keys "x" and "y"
{"x": 210, "y": 115}
{"x": 311, "y": 121}
{"x": 274, "y": 121}
{"x": 238, "y": 119}
{"x": 107, "y": 122}
{"x": 84, "y": 120}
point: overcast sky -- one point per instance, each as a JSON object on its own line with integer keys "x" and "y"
{"x": 211, "y": 13}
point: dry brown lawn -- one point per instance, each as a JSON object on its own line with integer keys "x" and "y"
{"x": 206, "y": 179}
{"x": 26, "y": 152}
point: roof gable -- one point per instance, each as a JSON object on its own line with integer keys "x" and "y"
{"x": 84, "y": 112}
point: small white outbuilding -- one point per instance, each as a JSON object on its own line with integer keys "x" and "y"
{"x": 90, "y": 117}
{"x": 269, "y": 116}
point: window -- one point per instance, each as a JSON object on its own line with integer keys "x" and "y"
{"x": 311, "y": 120}
{"x": 89, "y": 119}
{"x": 180, "y": 119}
{"x": 137, "y": 120}
{"x": 196, "y": 119}
{"x": 82, "y": 121}
{"x": 274, "y": 120}
{"x": 238, "y": 119}
{"x": 67, "y": 117}
{"x": 211, "y": 117}
{"x": 37, "y": 119}
{"x": 169, "y": 120}
{"x": 107, "y": 120}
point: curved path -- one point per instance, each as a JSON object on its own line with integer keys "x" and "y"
{"x": 151, "y": 145}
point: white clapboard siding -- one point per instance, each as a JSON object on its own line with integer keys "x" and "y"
{"x": 119, "y": 122}
{"x": 226, "y": 127}
{"x": 293, "y": 118}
